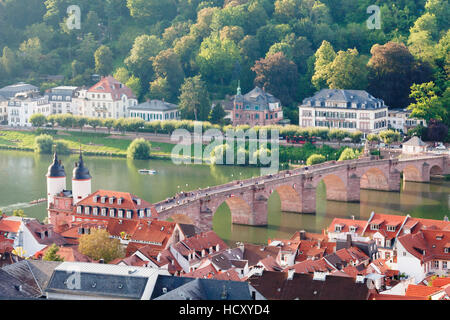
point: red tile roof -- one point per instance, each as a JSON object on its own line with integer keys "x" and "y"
{"x": 9, "y": 225}
{"x": 110, "y": 85}
{"x": 346, "y": 224}
{"x": 378, "y": 296}
{"x": 421, "y": 291}
{"x": 310, "y": 266}
{"x": 425, "y": 241}
{"x": 440, "y": 282}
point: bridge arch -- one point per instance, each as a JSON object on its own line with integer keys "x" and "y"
{"x": 374, "y": 179}
{"x": 241, "y": 211}
{"x": 411, "y": 173}
{"x": 290, "y": 199}
{"x": 336, "y": 189}
{"x": 436, "y": 170}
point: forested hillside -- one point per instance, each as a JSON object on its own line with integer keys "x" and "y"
{"x": 291, "y": 47}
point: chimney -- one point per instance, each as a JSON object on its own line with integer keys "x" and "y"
{"x": 349, "y": 240}
{"x": 291, "y": 274}
{"x": 303, "y": 235}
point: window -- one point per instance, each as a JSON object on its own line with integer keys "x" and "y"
{"x": 338, "y": 228}
{"x": 436, "y": 264}
{"x": 390, "y": 228}
{"x": 104, "y": 212}
{"x": 111, "y": 213}
{"x": 444, "y": 265}
{"x": 86, "y": 210}
{"x": 129, "y": 213}
{"x": 120, "y": 214}
{"x": 149, "y": 213}
{"x": 374, "y": 226}
{"x": 79, "y": 209}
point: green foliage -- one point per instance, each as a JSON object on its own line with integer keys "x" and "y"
{"x": 98, "y": 245}
{"x": 389, "y": 136}
{"x": 427, "y": 104}
{"x": 19, "y": 213}
{"x": 62, "y": 147}
{"x": 194, "y": 101}
{"x": 348, "y": 154}
{"x": 43, "y": 144}
{"x": 103, "y": 60}
{"x": 139, "y": 149}
{"x": 37, "y": 120}
{"x": 315, "y": 159}
{"x": 51, "y": 254}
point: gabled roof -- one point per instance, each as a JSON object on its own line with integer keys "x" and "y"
{"x": 12, "y": 288}
{"x": 415, "y": 142}
{"x": 8, "y": 225}
{"x": 254, "y": 253}
{"x": 359, "y": 97}
{"x": 33, "y": 273}
{"x": 311, "y": 266}
{"x": 39, "y": 230}
{"x": 154, "y": 105}
{"x": 427, "y": 245}
{"x": 346, "y": 224}
{"x": 110, "y": 85}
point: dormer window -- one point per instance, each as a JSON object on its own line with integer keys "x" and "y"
{"x": 353, "y": 229}
{"x": 374, "y": 226}
{"x": 446, "y": 250}
{"x": 119, "y": 201}
{"x": 391, "y": 228}
{"x": 103, "y": 199}
{"x": 79, "y": 209}
{"x": 111, "y": 200}
{"x": 95, "y": 198}
{"x": 338, "y": 228}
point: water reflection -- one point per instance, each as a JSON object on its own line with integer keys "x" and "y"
{"x": 22, "y": 179}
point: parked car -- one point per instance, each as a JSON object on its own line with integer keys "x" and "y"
{"x": 441, "y": 146}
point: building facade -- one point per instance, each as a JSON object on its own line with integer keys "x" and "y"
{"x": 24, "y": 105}
{"x": 352, "y": 110}
{"x": 108, "y": 98}
{"x": 257, "y": 107}
{"x": 11, "y": 91}
{"x": 400, "y": 120}
{"x": 153, "y": 110}
{"x": 61, "y": 99}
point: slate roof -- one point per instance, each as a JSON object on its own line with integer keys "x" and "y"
{"x": 415, "y": 141}
{"x": 10, "y": 91}
{"x": 254, "y": 253}
{"x": 277, "y": 286}
{"x": 209, "y": 289}
{"x": 360, "y": 97}
{"x": 154, "y": 105}
{"x": 34, "y": 273}
{"x": 256, "y": 97}
{"x": 169, "y": 283}
{"x": 12, "y": 288}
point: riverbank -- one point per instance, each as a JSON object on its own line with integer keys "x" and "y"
{"x": 115, "y": 145}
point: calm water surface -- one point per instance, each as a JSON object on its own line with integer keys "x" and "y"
{"x": 22, "y": 179}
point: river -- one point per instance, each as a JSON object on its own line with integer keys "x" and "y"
{"x": 22, "y": 179}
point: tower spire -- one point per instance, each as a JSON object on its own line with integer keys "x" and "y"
{"x": 238, "y": 91}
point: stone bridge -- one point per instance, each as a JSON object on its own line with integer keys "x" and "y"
{"x": 247, "y": 199}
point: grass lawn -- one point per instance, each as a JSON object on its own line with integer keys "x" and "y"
{"x": 90, "y": 142}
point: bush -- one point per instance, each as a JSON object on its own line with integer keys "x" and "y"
{"x": 62, "y": 147}
{"x": 43, "y": 144}
{"x": 315, "y": 159}
{"x": 139, "y": 149}
{"x": 348, "y": 154}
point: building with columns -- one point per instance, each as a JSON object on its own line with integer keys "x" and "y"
{"x": 352, "y": 110}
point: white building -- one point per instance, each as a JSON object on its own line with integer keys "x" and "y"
{"x": 108, "y": 98}
{"x": 11, "y": 91}
{"x": 415, "y": 145}
{"x": 61, "y": 99}
{"x": 24, "y": 105}
{"x": 352, "y": 110}
{"x": 3, "y": 109}
{"x": 400, "y": 120}
{"x": 153, "y": 110}
{"x": 424, "y": 253}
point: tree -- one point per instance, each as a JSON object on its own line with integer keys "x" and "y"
{"x": 427, "y": 104}
{"x": 347, "y": 71}
{"x": 324, "y": 57}
{"x": 19, "y": 213}
{"x": 389, "y": 136}
{"x": 85, "y": 53}
{"x": 134, "y": 83}
{"x": 38, "y": 120}
{"x": 167, "y": 66}
{"x": 373, "y": 137}
{"x": 9, "y": 61}
{"x": 99, "y": 245}
{"x": 337, "y": 134}
{"x": 103, "y": 60}
{"x": 437, "y": 131}
{"x": 217, "y": 114}
{"x": 194, "y": 101}
{"x": 356, "y": 136}
{"x": 138, "y": 62}
{"x": 277, "y": 75}
{"x": 43, "y": 144}
{"x": 348, "y": 154}
{"x": 122, "y": 75}
{"x": 62, "y": 147}
{"x": 94, "y": 123}
{"x": 30, "y": 52}
{"x": 108, "y": 123}
{"x": 216, "y": 59}
{"x": 139, "y": 149}
{"x": 315, "y": 159}
{"x": 51, "y": 254}
{"x": 392, "y": 71}
{"x": 152, "y": 10}
{"x": 80, "y": 121}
